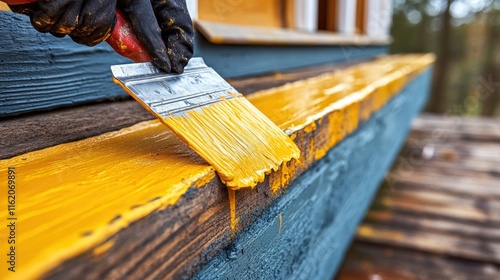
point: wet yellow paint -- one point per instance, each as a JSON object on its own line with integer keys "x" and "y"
{"x": 232, "y": 210}
{"x": 240, "y": 142}
{"x": 344, "y": 98}
{"x": 103, "y": 248}
{"x": 73, "y": 196}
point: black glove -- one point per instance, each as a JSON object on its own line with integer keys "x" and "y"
{"x": 176, "y": 30}
{"x": 87, "y": 22}
{"x": 90, "y": 22}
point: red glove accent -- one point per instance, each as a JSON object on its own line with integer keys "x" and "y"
{"x": 124, "y": 41}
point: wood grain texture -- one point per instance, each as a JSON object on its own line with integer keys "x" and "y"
{"x": 114, "y": 154}
{"x": 36, "y": 131}
{"x": 39, "y": 71}
{"x": 368, "y": 261}
{"x": 444, "y": 205}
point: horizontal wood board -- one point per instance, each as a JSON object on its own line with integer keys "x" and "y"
{"x": 444, "y": 206}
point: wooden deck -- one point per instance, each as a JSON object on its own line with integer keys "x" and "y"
{"x": 437, "y": 215}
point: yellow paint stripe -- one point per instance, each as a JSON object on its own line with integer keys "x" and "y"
{"x": 73, "y": 197}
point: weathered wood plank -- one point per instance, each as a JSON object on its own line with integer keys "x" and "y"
{"x": 39, "y": 71}
{"x": 445, "y": 205}
{"x": 392, "y": 218}
{"x": 369, "y": 261}
{"x": 443, "y": 244}
{"x": 442, "y": 129}
{"x": 454, "y": 184}
{"x": 32, "y": 132}
{"x": 442, "y": 204}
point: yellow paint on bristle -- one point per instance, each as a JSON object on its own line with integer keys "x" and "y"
{"x": 240, "y": 142}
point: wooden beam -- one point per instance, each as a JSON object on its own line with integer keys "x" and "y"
{"x": 139, "y": 173}
{"x": 24, "y": 134}
{"x": 40, "y": 72}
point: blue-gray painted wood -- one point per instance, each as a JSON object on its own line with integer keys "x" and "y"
{"x": 40, "y": 72}
{"x": 322, "y": 208}
{"x": 232, "y": 61}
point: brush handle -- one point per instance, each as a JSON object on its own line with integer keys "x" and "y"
{"x": 122, "y": 38}
{"x": 124, "y": 41}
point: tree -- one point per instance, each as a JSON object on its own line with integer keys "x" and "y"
{"x": 438, "y": 101}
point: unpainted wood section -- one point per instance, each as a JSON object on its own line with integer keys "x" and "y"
{"x": 445, "y": 205}
{"x": 218, "y": 33}
{"x": 149, "y": 156}
{"x": 252, "y": 13}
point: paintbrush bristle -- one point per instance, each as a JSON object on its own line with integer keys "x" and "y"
{"x": 240, "y": 142}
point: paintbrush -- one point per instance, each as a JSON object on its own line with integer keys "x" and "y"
{"x": 216, "y": 121}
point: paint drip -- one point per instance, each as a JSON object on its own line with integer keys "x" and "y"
{"x": 239, "y": 141}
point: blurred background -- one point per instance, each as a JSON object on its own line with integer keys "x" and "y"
{"x": 465, "y": 34}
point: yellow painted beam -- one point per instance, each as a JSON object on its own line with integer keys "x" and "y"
{"x": 4, "y": 7}
{"x": 72, "y": 197}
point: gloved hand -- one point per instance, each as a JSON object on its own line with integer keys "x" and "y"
{"x": 176, "y": 30}
{"x": 169, "y": 24}
{"x": 90, "y": 22}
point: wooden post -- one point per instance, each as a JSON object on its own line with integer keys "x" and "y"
{"x": 361, "y": 16}
{"x": 306, "y": 15}
{"x": 347, "y": 17}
